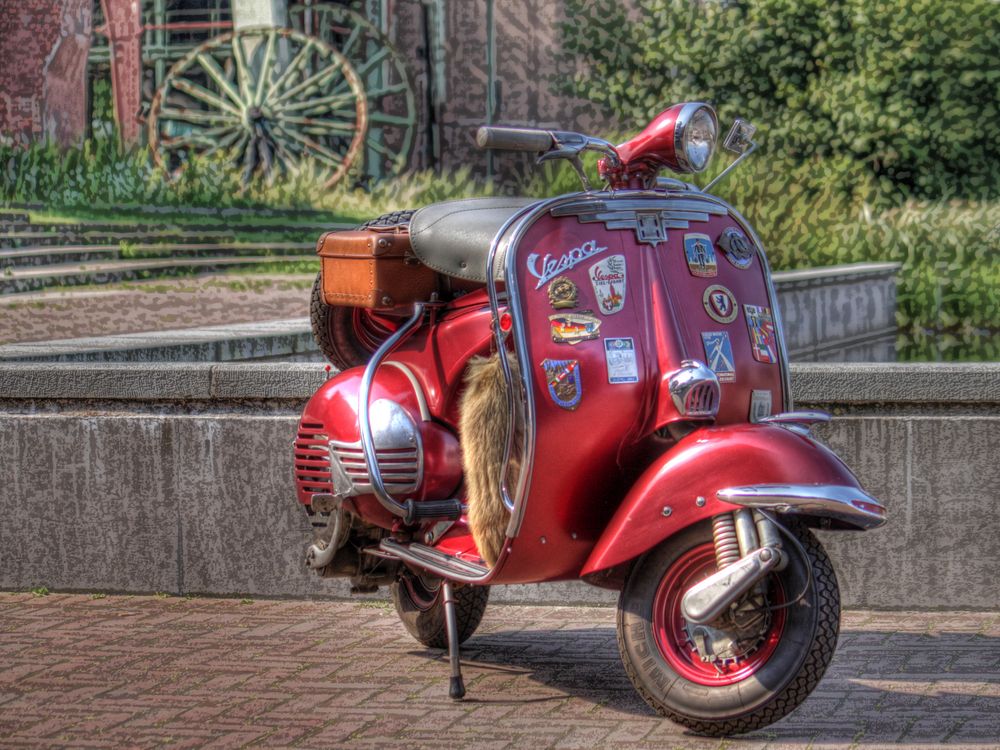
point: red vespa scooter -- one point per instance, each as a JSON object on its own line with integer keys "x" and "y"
{"x": 588, "y": 387}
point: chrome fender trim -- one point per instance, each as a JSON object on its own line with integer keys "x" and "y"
{"x": 850, "y": 506}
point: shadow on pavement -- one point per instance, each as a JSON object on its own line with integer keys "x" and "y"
{"x": 882, "y": 686}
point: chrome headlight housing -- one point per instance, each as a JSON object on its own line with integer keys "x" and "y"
{"x": 696, "y": 133}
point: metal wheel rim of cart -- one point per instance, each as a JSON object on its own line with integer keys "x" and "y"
{"x": 209, "y": 93}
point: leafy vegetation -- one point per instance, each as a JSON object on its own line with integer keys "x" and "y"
{"x": 879, "y": 130}
{"x": 910, "y": 91}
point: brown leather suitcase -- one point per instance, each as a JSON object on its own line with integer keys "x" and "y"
{"x": 373, "y": 268}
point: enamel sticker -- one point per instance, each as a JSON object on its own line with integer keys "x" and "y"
{"x": 552, "y": 267}
{"x": 760, "y": 405}
{"x": 700, "y": 255}
{"x": 720, "y": 304}
{"x": 737, "y": 247}
{"x": 563, "y": 293}
{"x": 563, "y": 379}
{"x": 620, "y": 356}
{"x": 719, "y": 354}
{"x": 572, "y": 328}
{"x": 608, "y": 280}
{"x": 760, "y": 325}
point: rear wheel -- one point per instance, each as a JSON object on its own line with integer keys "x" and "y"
{"x": 419, "y": 603}
{"x": 749, "y": 668}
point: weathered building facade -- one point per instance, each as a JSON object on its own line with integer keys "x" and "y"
{"x": 43, "y": 65}
{"x": 469, "y": 63}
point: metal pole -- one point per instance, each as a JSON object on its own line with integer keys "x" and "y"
{"x": 491, "y": 88}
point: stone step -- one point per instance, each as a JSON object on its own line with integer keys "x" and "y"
{"x": 42, "y": 255}
{"x": 13, "y": 217}
{"x": 171, "y": 226}
{"x": 14, "y": 281}
{"x": 290, "y": 338}
{"x": 34, "y": 237}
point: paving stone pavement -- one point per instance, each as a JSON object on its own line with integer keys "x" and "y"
{"x": 131, "y": 671}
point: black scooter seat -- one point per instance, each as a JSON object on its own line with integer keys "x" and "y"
{"x": 454, "y": 238}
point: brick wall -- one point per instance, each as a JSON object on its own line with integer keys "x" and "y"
{"x": 43, "y": 46}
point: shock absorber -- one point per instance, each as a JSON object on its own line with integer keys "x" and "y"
{"x": 727, "y": 545}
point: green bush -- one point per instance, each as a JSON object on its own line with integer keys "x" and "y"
{"x": 910, "y": 90}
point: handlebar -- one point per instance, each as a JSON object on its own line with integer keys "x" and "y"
{"x": 514, "y": 139}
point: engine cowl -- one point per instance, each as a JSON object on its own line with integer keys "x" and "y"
{"x": 418, "y": 458}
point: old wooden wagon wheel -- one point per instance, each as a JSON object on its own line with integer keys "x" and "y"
{"x": 392, "y": 109}
{"x": 264, "y": 100}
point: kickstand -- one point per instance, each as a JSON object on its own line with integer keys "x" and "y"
{"x": 456, "y": 687}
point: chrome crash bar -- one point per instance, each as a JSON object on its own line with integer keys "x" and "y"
{"x": 849, "y": 506}
{"x": 364, "y": 419}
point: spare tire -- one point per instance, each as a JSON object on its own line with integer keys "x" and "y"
{"x": 348, "y": 336}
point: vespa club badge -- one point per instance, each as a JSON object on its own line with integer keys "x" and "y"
{"x": 563, "y": 379}
{"x": 608, "y": 280}
{"x": 572, "y": 328}
{"x": 700, "y": 255}
{"x": 620, "y": 356}
{"x": 760, "y": 405}
{"x": 719, "y": 353}
{"x": 737, "y": 247}
{"x": 760, "y": 325}
{"x": 563, "y": 293}
{"x": 720, "y": 304}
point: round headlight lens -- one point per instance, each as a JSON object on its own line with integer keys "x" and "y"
{"x": 698, "y": 138}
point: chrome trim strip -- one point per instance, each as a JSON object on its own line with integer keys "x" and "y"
{"x": 797, "y": 417}
{"x": 430, "y": 559}
{"x": 837, "y": 502}
{"x": 796, "y": 421}
{"x": 425, "y": 413}
{"x": 646, "y": 201}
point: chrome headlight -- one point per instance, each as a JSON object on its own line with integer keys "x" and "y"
{"x": 695, "y": 136}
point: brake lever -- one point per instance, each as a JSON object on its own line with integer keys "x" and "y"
{"x": 568, "y": 145}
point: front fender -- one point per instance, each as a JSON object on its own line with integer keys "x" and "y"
{"x": 684, "y": 485}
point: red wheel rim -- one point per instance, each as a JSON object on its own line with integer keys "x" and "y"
{"x": 372, "y": 329}
{"x": 671, "y": 637}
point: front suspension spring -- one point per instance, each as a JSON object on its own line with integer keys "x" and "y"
{"x": 727, "y": 545}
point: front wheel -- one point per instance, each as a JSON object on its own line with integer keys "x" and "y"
{"x": 749, "y": 668}
{"x": 419, "y": 603}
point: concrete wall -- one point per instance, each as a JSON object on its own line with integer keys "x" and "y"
{"x": 839, "y": 313}
{"x": 177, "y": 478}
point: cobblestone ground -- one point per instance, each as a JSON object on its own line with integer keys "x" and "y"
{"x": 77, "y": 671}
{"x": 164, "y": 304}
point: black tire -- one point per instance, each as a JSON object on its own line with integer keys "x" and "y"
{"x": 333, "y": 326}
{"x": 420, "y": 605}
{"x": 333, "y": 329}
{"x": 778, "y": 685}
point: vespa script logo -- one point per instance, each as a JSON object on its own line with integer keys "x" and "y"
{"x": 551, "y": 267}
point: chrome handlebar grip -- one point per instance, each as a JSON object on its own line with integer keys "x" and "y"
{"x": 514, "y": 139}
